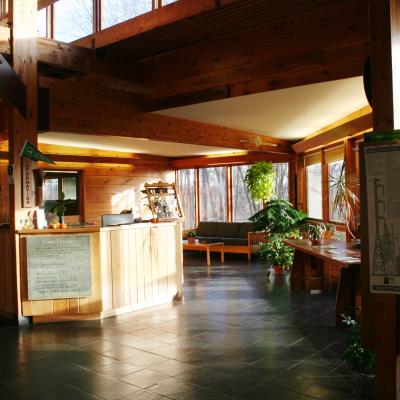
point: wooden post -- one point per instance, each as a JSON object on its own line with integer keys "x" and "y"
{"x": 23, "y": 23}
{"x": 384, "y": 18}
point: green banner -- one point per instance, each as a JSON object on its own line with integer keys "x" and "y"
{"x": 31, "y": 152}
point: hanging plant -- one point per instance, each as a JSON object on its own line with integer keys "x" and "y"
{"x": 260, "y": 181}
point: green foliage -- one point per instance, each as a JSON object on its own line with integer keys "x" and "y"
{"x": 330, "y": 227}
{"x": 58, "y": 207}
{"x": 359, "y": 359}
{"x": 315, "y": 231}
{"x": 276, "y": 252}
{"x": 260, "y": 181}
{"x": 191, "y": 234}
{"x": 345, "y": 201}
{"x": 279, "y": 217}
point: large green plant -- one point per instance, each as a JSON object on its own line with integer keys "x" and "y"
{"x": 276, "y": 252}
{"x": 58, "y": 207}
{"x": 279, "y": 217}
{"x": 260, "y": 181}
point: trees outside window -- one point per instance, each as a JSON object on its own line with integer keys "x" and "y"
{"x": 187, "y": 196}
{"x": 282, "y": 181}
{"x": 243, "y": 205}
{"x": 213, "y": 194}
{"x": 314, "y": 191}
{"x": 116, "y": 11}
{"x": 73, "y": 19}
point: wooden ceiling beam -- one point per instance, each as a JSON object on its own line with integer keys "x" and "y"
{"x": 229, "y": 159}
{"x": 353, "y": 124}
{"x": 101, "y": 114}
{"x": 45, "y": 3}
{"x": 314, "y": 39}
{"x": 160, "y": 17}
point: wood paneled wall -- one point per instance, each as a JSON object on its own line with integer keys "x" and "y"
{"x": 4, "y": 194}
{"x": 109, "y": 190}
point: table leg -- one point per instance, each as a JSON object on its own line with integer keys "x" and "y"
{"x": 222, "y": 255}
{"x": 208, "y": 256}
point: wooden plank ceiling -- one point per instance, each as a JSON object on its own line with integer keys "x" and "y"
{"x": 189, "y": 52}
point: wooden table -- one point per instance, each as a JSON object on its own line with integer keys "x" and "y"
{"x": 333, "y": 260}
{"x": 197, "y": 246}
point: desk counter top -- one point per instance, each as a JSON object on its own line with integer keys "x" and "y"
{"x": 335, "y": 251}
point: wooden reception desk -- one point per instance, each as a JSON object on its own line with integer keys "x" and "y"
{"x": 114, "y": 270}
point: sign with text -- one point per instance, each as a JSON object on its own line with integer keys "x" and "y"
{"x": 382, "y": 164}
{"x": 59, "y": 267}
{"x": 28, "y": 187}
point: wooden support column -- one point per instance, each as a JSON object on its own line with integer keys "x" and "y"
{"x": 23, "y": 23}
{"x": 384, "y": 21}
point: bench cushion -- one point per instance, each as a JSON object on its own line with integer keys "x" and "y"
{"x": 245, "y": 228}
{"x": 207, "y": 229}
{"x": 228, "y": 229}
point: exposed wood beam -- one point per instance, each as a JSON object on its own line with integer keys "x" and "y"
{"x": 355, "y": 123}
{"x": 59, "y": 150}
{"x": 146, "y": 22}
{"x": 316, "y": 39}
{"x": 101, "y": 114}
{"x": 45, "y": 3}
{"x": 229, "y": 159}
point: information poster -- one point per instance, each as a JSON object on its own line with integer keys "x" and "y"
{"x": 28, "y": 189}
{"x": 383, "y": 190}
{"x": 59, "y": 266}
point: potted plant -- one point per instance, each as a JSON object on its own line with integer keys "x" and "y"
{"x": 279, "y": 217}
{"x": 330, "y": 230}
{"x": 58, "y": 208}
{"x": 276, "y": 254}
{"x": 191, "y": 237}
{"x": 346, "y": 202}
{"x": 260, "y": 181}
{"x": 315, "y": 233}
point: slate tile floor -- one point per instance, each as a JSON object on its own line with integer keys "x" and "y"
{"x": 232, "y": 338}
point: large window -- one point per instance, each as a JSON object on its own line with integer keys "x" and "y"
{"x": 55, "y": 183}
{"x": 314, "y": 190}
{"x": 42, "y": 23}
{"x": 213, "y": 196}
{"x": 187, "y": 195}
{"x": 282, "y": 181}
{"x": 243, "y": 205}
{"x": 116, "y": 11}
{"x": 73, "y": 19}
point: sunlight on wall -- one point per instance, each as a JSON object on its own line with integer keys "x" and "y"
{"x": 124, "y": 201}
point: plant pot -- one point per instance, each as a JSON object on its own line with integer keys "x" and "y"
{"x": 191, "y": 240}
{"x": 315, "y": 242}
{"x": 328, "y": 235}
{"x": 279, "y": 270}
{"x": 63, "y": 226}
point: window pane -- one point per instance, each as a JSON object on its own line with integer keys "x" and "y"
{"x": 187, "y": 193}
{"x": 314, "y": 191}
{"x": 243, "y": 205}
{"x": 50, "y": 189}
{"x": 69, "y": 188}
{"x": 165, "y": 2}
{"x": 282, "y": 181}
{"x": 73, "y": 19}
{"x": 116, "y": 11}
{"x": 334, "y": 171}
{"x": 213, "y": 194}
{"x": 42, "y": 23}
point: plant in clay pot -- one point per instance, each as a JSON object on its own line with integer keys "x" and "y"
{"x": 330, "y": 230}
{"x": 277, "y": 254}
{"x": 191, "y": 237}
{"x": 315, "y": 233}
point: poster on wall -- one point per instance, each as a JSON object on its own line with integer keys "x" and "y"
{"x": 382, "y": 165}
{"x": 59, "y": 267}
{"x": 28, "y": 187}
